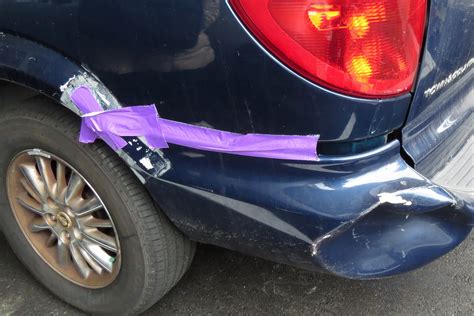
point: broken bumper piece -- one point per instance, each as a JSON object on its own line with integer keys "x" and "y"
{"x": 365, "y": 216}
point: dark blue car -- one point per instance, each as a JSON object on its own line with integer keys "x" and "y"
{"x": 331, "y": 135}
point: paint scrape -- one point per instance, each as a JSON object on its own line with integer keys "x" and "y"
{"x": 145, "y": 161}
{"x": 393, "y": 198}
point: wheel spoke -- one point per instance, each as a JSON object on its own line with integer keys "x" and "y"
{"x": 103, "y": 240}
{"x": 74, "y": 189}
{"x": 34, "y": 179}
{"x": 25, "y": 184}
{"x": 38, "y": 224}
{"x": 61, "y": 183}
{"x": 79, "y": 261}
{"x": 88, "y": 206}
{"x": 51, "y": 240}
{"x": 98, "y": 222}
{"x": 90, "y": 261}
{"x": 99, "y": 255}
{"x": 30, "y": 204}
{"x": 47, "y": 175}
{"x": 64, "y": 257}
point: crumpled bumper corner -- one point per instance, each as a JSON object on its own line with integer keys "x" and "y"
{"x": 410, "y": 224}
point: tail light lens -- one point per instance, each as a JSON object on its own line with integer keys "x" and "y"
{"x": 367, "y": 48}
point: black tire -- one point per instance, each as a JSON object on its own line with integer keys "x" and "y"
{"x": 154, "y": 254}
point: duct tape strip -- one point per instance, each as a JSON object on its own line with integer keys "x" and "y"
{"x": 144, "y": 121}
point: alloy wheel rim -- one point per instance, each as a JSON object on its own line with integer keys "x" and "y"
{"x": 63, "y": 218}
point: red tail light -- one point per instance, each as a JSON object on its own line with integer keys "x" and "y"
{"x": 367, "y": 48}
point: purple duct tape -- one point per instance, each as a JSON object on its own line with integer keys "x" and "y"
{"x": 144, "y": 121}
{"x": 111, "y": 125}
{"x": 85, "y": 100}
{"x": 254, "y": 145}
{"x": 130, "y": 121}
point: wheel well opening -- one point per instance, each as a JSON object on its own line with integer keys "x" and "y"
{"x": 17, "y": 92}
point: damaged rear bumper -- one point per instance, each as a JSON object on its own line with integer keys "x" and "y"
{"x": 364, "y": 216}
{"x": 411, "y": 222}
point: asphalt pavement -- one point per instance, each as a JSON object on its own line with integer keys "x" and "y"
{"x": 226, "y": 282}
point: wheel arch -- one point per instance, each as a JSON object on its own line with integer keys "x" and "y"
{"x": 43, "y": 70}
{"x": 28, "y": 68}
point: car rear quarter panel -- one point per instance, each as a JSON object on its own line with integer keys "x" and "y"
{"x": 198, "y": 64}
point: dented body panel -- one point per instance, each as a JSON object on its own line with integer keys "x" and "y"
{"x": 364, "y": 216}
{"x": 358, "y": 215}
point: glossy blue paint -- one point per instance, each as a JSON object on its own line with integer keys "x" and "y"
{"x": 34, "y": 66}
{"x": 439, "y": 134}
{"x": 304, "y": 214}
{"x": 364, "y": 215}
{"x": 441, "y": 115}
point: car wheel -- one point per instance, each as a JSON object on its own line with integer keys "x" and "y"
{"x": 78, "y": 218}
